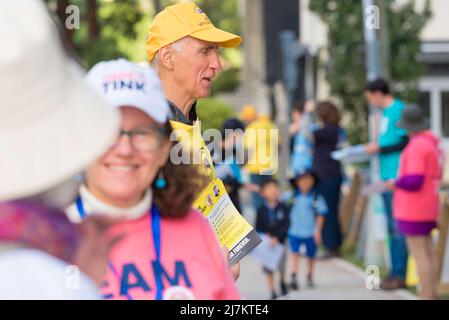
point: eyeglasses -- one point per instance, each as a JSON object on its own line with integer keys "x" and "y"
{"x": 144, "y": 139}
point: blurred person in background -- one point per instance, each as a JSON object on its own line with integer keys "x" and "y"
{"x": 261, "y": 139}
{"x": 233, "y": 157}
{"x": 167, "y": 250}
{"x": 248, "y": 114}
{"x": 228, "y": 166}
{"x": 388, "y": 146}
{"x": 250, "y": 117}
{"x": 416, "y": 200}
{"x": 49, "y": 132}
{"x": 301, "y": 147}
{"x": 325, "y": 140}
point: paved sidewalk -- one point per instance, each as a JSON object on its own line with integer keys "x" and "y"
{"x": 335, "y": 279}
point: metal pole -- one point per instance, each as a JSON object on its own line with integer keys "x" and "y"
{"x": 283, "y": 101}
{"x": 373, "y": 70}
{"x": 384, "y": 36}
{"x": 309, "y": 77}
{"x": 372, "y": 46}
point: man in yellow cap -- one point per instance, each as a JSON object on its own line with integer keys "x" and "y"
{"x": 182, "y": 47}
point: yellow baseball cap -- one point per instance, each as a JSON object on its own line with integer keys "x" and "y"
{"x": 181, "y": 20}
{"x": 248, "y": 113}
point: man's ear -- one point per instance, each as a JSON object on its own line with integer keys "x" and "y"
{"x": 166, "y": 57}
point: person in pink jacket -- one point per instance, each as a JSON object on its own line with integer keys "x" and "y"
{"x": 416, "y": 199}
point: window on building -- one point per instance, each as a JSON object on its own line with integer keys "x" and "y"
{"x": 424, "y": 102}
{"x": 445, "y": 113}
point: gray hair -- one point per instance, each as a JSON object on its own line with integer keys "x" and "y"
{"x": 178, "y": 46}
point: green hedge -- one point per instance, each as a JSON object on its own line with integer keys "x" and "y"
{"x": 213, "y": 112}
{"x": 226, "y": 81}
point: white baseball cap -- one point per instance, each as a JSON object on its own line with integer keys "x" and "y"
{"x": 49, "y": 117}
{"x": 123, "y": 83}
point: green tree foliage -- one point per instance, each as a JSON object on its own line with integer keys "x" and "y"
{"x": 118, "y": 28}
{"x": 108, "y": 29}
{"x": 226, "y": 81}
{"x": 222, "y": 13}
{"x": 345, "y": 68}
{"x": 118, "y": 21}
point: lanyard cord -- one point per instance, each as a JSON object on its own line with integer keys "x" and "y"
{"x": 156, "y": 233}
{"x": 80, "y": 207}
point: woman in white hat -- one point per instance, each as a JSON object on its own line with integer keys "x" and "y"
{"x": 48, "y": 133}
{"x": 167, "y": 250}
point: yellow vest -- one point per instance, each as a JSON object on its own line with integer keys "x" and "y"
{"x": 261, "y": 138}
{"x": 192, "y": 142}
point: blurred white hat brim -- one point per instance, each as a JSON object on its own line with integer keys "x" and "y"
{"x": 44, "y": 152}
{"x": 52, "y": 125}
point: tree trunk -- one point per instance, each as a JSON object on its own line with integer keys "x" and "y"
{"x": 157, "y": 6}
{"x": 92, "y": 19}
{"x": 62, "y": 16}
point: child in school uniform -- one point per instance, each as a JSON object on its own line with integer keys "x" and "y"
{"x": 307, "y": 216}
{"x": 273, "y": 221}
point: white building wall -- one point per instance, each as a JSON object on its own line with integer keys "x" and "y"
{"x": 437, "y": 28}
{"x": 314, "y": 35}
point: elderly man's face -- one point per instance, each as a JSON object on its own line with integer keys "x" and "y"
{"x": 195, "y": 66}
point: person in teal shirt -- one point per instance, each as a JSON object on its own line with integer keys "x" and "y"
{"x": 390, "y": 143}
{"x": 392, "y": 138}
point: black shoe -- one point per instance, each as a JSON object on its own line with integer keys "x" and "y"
{"x": 273, "y": 295}
{"x": 284, "y": 288}
{"x": 310, "y": 283}
{"x": 294, "y": 285}
{"x": 331, "y": 254}
{"x": 392, "y": 283}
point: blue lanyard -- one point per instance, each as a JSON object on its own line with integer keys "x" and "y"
{"x": 80, "y": 207}
{"x": 156, "y": 233}
{"x": 156, "y": 230}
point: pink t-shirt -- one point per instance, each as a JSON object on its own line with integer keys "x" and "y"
{"x": 420, "y": 157}
{"x": 192, "y": 262}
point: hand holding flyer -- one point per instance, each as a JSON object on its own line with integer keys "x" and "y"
{"x": 375, "y": 188}
{"x": 354, "y": 154}
{"x": 232, "y": 230}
